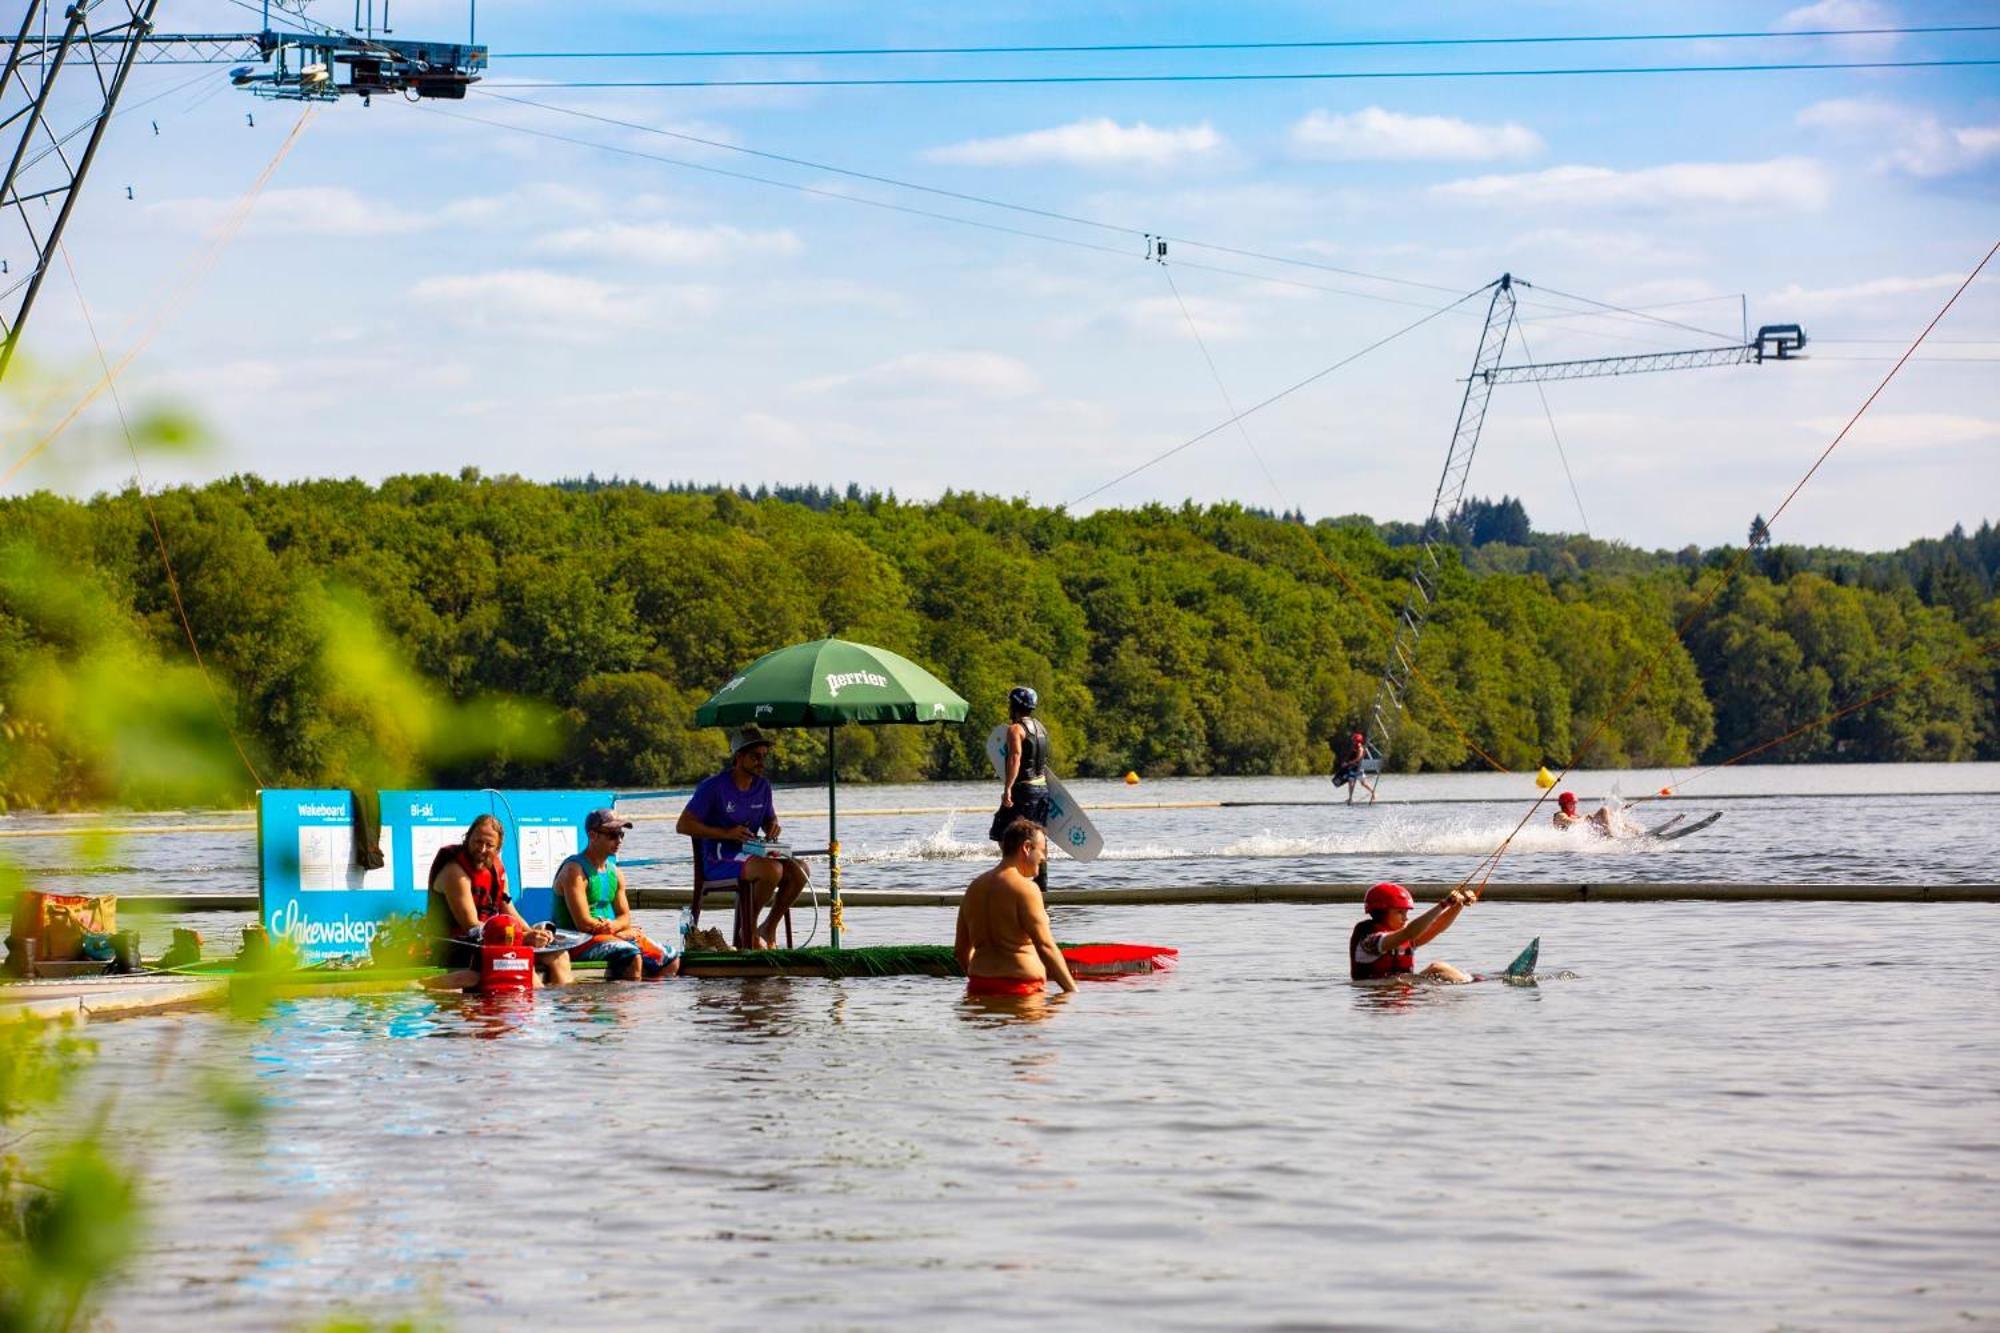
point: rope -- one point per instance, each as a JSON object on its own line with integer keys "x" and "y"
{"x": 1963, "y": 659}
{"x": 153, "y": 518}
{"x": 204, "y": 263}
{"x": 1491, "y": 861}
{"x": 1280, "y": 394}
{"x": 1554, "y": 434}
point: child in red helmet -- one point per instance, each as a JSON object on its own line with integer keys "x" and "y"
{"x": 1385, "y": 944}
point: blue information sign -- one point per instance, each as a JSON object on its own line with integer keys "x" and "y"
{"x": 311, "y": 890}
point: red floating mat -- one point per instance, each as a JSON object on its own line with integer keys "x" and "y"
{"x": 1117, "y": 960}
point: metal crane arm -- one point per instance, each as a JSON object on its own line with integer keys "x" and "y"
{"x": 1774, "y": 342}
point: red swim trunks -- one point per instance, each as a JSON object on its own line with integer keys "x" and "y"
{"x": 1004, "y": 986}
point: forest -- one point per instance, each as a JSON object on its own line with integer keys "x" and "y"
{"x": 369, "y": 634}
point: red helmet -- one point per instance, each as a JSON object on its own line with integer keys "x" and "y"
{"x": 1567, "y": 800}
{"x": 1388, "y": 898}
{"x": 500, "y": 929}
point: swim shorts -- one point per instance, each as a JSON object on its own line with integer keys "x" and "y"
{"x": 610, "y": 949}
{"x": 1004, "y": 986}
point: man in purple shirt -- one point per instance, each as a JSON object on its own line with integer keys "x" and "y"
{"x": 735, "y": 807}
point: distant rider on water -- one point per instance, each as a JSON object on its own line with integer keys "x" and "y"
{"x": 1024, "y": 787}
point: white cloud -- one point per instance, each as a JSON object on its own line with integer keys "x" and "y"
{"x": 533, "y": 302}
{"x": 1086, "y": 143}
{"x": 1784, "y": 183}
{"x": 1624, "y": 247}
{"x": 1800, "y": 298}
{"x": 1218, "y": 321}
{"x": 312, "y": 210}
{"x": 1376, "y": 134}
{"x": 1910, "y": 431}
{"x": 1828, "y": 14}
{"x": 667, "y": 243}
{"x": 1906, "y": 138}
{"x": 983, "y": 374}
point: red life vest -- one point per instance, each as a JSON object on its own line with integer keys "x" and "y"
{"x": 1388, "y": 965}
{"x": 489, "y": 883}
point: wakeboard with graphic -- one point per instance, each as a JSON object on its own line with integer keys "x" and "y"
{"x": 1069, "y": 827}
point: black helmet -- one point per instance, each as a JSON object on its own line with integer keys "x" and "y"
{"x": 1022, "y": 699}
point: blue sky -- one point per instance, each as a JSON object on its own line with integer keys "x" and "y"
{"x": 416, "y": 291}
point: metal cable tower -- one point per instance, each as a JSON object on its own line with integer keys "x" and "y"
{"x": 1387, "y": 708}
{"x": 45, "y": 170}
{"x": 1774, "y": 342}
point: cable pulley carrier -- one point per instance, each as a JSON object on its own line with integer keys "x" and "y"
{"x": 1774, "y": 342}
{"x": 307, "y": 67}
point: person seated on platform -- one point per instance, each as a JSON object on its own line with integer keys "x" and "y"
{"x": 1606, "y": 821}
{"x": 1385, "y": 944}
{"x": 734, "y": 807}
{"x": 468, "y": 883}
{"x": 1004, "y": 945}
{"x": 590, "y": 897}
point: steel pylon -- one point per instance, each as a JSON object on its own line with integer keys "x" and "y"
{"x": 45, "y": 164}
{"x": 1387, "y": 709}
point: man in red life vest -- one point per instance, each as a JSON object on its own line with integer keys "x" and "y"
{"x": 1385, "y": 944}
{"x": 468, "y": 886}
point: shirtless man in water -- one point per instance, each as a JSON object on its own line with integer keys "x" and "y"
{"x": 1004, "y": 945}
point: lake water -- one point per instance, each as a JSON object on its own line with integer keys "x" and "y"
{"x": 1740, "y": 1116}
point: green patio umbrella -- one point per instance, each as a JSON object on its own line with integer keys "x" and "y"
{"x": 831, "y": 683}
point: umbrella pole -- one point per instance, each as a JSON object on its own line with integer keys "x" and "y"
{"x": 832, "y": 841}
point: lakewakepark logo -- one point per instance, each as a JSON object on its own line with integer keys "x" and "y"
{"x": 838, "y": 681}
{"x": 311, "y": 935}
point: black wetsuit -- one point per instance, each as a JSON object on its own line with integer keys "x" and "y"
{"x": 1030, "y": 790}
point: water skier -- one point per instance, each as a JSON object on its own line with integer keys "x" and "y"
{"x": 1351, "y": 770}
{"x": 1605, "y": 821}
{"x": 1024, "y": 786}
{"x": 1004, "y": 944}
{"x": 1385, "y": 944}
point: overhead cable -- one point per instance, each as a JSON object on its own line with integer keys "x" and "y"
{"x": 987, "y": 201}
{"x": 1239, "y": 76}
{"x": 1286, "y": 392}
{"x": 1348, "y": 44}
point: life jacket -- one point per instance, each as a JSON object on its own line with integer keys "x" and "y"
{"x": 489, "y": 898}
{"x": 1388, "y": 965}
{"x": 1034, "y": 754}
{"x": 489, "y": 883}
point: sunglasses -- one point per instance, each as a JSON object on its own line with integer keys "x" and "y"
{"x": 615, "y": 835}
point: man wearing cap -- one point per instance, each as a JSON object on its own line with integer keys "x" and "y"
{"x": 590, "y": 897}
{"x": 732, "y": 808}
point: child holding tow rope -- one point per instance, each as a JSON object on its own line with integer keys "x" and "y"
{"x": 1385, "y": 945}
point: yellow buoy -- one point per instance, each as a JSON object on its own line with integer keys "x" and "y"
{"x": 1131, "y": 778}
{"x": 1545, "y": 779}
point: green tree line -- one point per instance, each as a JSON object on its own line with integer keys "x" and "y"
{"x": 571, "y": 629}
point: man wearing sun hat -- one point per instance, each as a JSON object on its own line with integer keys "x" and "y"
{"x": 734, "y": 807}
